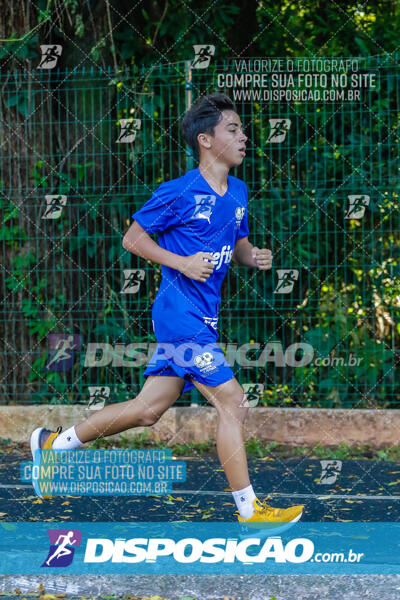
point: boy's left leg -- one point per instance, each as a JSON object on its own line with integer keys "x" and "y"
{"x": 229, "y": 400}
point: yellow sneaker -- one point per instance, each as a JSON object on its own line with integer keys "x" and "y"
{"x": 41, "y": 439}
{"x": 269, "y": 519}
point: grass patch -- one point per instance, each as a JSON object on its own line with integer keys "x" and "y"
{"x": 193, "y": 447}
{"x": 140, "y": 440}
{"x": 258, "y": 448}
{"x": 254, "y": 447}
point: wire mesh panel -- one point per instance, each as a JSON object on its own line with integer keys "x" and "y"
{"x": 82, "y": 150}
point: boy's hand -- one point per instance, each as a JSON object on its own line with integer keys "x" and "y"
{"x": 262, "y": 258}
{"x": 196, "y": 267}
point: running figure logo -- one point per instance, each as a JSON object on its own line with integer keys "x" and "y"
{"x": 252, "y": 394}
{"x": 62, "y": 348}
{"x": 204, "y": 206}
{"x": 279, "y": 129}
{"x": 61, "y": 553}
{"x": 129, "y": 127}
{"x": 202, "y": 55}
{"x": 50, "y": 56}
{"x": 330, "y": 471}
{"x": 98, "y": 396}
{"x": 133, "y": 278}
{"x": 54, "y": 206}
{"x": 357, "y": 206}
{"x": 287, "y": 279}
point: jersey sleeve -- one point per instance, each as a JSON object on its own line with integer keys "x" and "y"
{"x": 161, "y": 211}
{"x": 244, "y": 226}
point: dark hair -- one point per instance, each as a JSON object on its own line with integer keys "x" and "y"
{"x": 202, "y": 117}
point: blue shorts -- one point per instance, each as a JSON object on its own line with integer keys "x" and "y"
{"x": 200, "y": 359}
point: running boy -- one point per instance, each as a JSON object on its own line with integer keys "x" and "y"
{"x": 201, "y": 222}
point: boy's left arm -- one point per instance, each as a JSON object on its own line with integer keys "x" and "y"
{"x": 248, "y": 255}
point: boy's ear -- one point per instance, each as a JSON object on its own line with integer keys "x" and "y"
{"x": 203, "y": 140}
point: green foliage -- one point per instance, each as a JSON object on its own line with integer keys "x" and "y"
{"x": 192, "y": 448}
{"x": 296, "y": 198}
{"x": 257, "y": 448}
{"x": 24, "y": 49}
{"x": 254, "y": 446}
{"x": 140, "y": 440}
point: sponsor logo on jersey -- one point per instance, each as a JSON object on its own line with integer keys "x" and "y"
{"x": 239, "y": 214}
{"x": 204, "y": 206}
{"x": 223, "y": 256}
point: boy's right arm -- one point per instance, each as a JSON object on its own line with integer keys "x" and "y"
{"x": 138, "y": 241}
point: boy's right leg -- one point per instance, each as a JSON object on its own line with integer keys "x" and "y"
{"x": 156, "y": 396}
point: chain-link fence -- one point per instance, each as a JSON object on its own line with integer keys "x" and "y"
{"x": 82, "y": 150}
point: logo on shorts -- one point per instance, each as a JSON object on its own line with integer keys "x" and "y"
{"x": 203, "y": 362}
{"x": 211, "y": 321}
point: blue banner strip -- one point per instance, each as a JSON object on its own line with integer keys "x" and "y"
{"x": 212, "y": 547}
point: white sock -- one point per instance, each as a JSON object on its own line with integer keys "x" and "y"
{"x": 244, "y": 501}
{"x": 67, "y": 440}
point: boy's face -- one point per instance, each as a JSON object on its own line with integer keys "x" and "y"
{"x": 229, "y": 142}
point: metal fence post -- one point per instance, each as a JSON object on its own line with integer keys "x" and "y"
{"x": 188, "y": 104}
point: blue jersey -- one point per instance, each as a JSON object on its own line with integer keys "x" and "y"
{"x": 190, "y": 217}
